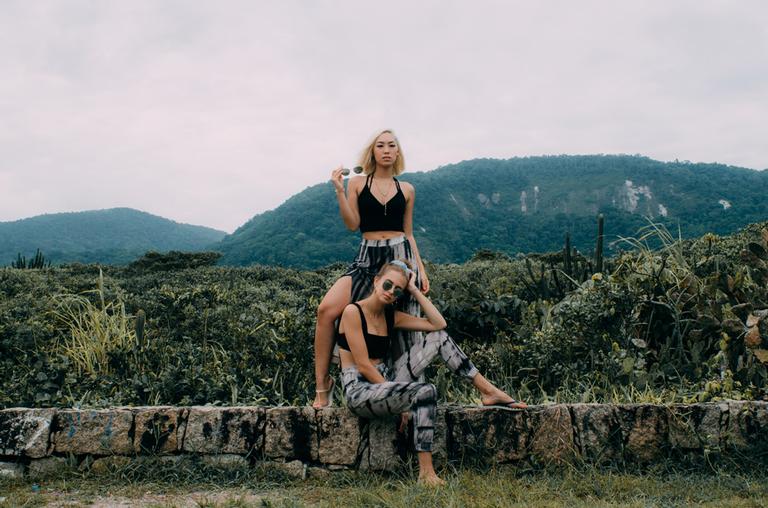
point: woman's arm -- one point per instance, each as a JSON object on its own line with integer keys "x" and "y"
{"x": 433, "y": 320}
{"x": 347, "y": 202}
{"x": 353, "y": 330}
{"x": 408, "y": 230}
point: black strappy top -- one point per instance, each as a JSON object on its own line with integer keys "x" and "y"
{"x": 378, "y": 345}
{"x": 375, "y": 216}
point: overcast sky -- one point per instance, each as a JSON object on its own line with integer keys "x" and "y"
{"x": 211, "y": 112}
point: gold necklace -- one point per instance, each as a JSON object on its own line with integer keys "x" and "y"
{"x": 383, "y": 196}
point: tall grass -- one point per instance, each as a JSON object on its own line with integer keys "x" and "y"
{"x": 95, "y": 331}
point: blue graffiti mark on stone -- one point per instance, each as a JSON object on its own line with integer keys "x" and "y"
{"x": 72, "y": 426}
{"x": 108, "y": 427}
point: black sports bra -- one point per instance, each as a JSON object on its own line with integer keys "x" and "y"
{"x": 378, "y": 345}
{"x": 377, "y": 217}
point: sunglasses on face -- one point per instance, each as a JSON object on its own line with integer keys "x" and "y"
{"x": 388, "y": 285}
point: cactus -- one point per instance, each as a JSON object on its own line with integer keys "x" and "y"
{"x": 140, "y": 320}
{"x": 139, "y": 345}
{"x": 37, "y": 262}
{"x": 599, "y": 248}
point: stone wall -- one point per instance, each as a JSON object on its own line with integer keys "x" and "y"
{"x": 36, "y": 439}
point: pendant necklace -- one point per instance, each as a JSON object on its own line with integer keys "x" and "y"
{"x": 384, "y": 196}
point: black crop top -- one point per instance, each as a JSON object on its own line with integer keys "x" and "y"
{"x": 375, "y": 216}
{"x": 378, "y": 345}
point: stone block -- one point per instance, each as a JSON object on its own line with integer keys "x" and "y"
{"x": 383, "y": 446}
{"x": 488, "y": 435}
{"x": 237, "y": 430}
{"x": 645, "y": 429}
{"x": 159, "y": 429}
{"x": 747, "y": 427}
{"x": 695, "y": 427}
{"x": 12, "y": 470}
{"x": 339, "y": 436}
{"x": 598, "y": 432}
{"x": 48, "y": 466}
{"x": 291, "y": 433}
{"x": 440, "y": 443}
{"x": 551, "y": 440}
{"x": 94, "y": 432}
{"x": 25, "y": 432}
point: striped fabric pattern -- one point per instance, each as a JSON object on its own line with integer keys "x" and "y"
{"x": 371, "y": 256}
{"x": 403, "y": 391}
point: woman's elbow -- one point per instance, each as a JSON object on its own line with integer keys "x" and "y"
{"x": 440, "y": 325}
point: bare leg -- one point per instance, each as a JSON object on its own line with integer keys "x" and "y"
{"x": 492, "y": 395}
{"x": 427, "y": 474}
{"x": 328, "y": 311}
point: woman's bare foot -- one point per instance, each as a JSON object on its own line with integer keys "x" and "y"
{"x": 492, "y": 396}
{"x": 497, "y": 397}
{"x": 323, "y": 395}
{"x": 431, "y": 480}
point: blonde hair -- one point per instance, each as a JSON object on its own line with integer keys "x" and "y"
{"x": 397, "y": 265}
{"x": 368, "y": 161}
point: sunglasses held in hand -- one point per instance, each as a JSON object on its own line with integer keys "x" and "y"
{"x": 357, "y": 170}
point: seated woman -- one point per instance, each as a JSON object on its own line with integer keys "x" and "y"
{"x": 374, "y": 389}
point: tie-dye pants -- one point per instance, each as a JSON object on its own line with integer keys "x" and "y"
{"x": 402, "y": 391}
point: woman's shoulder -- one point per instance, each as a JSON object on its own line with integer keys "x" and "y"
{"x": 407, "y": 187}
{"x": 351, "y": 310}
{"x": 356, "y": 183}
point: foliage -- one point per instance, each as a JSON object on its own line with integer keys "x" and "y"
{"x": 684, "y": 321}
{"x": 37, "y": 262}
{"x": 173, "y": 260}
{"x": 97, "y": 333}
{"x": 518, "y": 205}
{"x": 115, "y": 236}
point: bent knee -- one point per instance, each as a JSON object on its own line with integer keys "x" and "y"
{"x": 328, "y": 312}
{"x": 427, "y": 392}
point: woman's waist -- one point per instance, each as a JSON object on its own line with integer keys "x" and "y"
{"x": 348, "y": 363}
{"x": 382, "y": 238}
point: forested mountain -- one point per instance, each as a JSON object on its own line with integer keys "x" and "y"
{"x": 516, "y": 205}
{"x": 114, "y": 236}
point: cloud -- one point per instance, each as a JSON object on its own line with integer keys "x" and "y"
{"x": 211, "y": 113}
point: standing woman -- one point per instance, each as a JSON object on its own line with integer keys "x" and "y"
{"x": 382, "y": 208}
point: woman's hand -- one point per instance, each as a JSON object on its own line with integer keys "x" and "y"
{"x": 404, "y": 418}
{"x": 337, "y": 179}
{"x": 412, "y": 289}
{"x": 424, "y": 282}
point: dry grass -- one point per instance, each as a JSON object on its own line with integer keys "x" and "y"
{"x": 153, "y": 484}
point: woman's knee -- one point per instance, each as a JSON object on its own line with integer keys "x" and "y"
{"x": 427, "y": 393}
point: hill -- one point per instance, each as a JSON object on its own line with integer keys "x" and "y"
{"x": 114, "y": 236}
{"x": 516, "y": 205}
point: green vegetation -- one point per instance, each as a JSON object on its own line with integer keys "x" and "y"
{"x": 683, "y": 322}
{"x": 115, "y": 236}
{"x": 518, "y": 205}
{"x": 37, "y": 262}
{"x": 157, "y": 483}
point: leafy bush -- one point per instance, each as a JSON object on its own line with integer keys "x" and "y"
{"x": 684, "y": 320}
